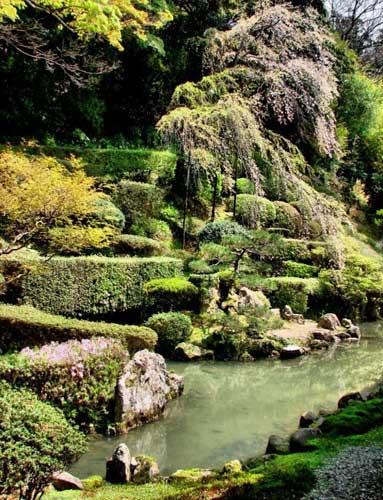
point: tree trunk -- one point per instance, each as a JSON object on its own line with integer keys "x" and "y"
{"x": 235, "y": 185}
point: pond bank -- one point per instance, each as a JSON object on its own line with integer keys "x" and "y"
{"x": 230, "y": 409}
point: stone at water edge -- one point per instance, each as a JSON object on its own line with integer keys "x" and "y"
{"x": 118, "y": 467}
{"x": 323, "y": 334}
{"x": 143, "y": 390}
{"x": 299, "y": 441}
{"x": 64, "y": 481}
{"x": 232, "y": 467}
{"x": 351, "y": 397}
{"x": 310, "y": 418}
{"x": 277, "y": 445}
{"x": 185, "y": 351}
{"x": 329, "y": 321}
{"x": 144, "y": 469}
{"x": 292, "y": 351}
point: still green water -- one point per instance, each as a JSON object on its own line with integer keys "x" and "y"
{"x": 228, "y": 410}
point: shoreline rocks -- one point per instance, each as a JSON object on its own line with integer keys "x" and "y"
{"x": 143, "y": 390}
{"x": 122, "y": 468}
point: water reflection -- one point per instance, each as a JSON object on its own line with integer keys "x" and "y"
{"x": 228, "y": 410}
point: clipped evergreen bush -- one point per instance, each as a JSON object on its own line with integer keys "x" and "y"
{"x": 79, "y": 377}
{"x": 172, "y": 328}
{"x": 254, "y": 211}
{"x": 107, "y": 214}
{"x": 288, "y": 217}
{"x": 139, "y": 245}
{"x": 91, "y": 286}
{"x": 300, "y": 270}
{"x": 215, "y": 232}
{"x": 245, "y": 186}
{"x": 171, "y": 294}
{"x": 35, "y": 441}
{"x": 152, "y": 228}
{"x": 24, "y": 326}
{"x": 138, "y": 200}
{"x": 292, "y": 291}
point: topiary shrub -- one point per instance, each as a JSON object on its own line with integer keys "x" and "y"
{"x": 254, "y": 211}
{"x": 245, "y": 186}
{"x": 35, "y": 442}
{"x": 294, "y": 292}
{"x": 288, "y": 218}
{"x": 90, "y": 286}
{"x": 172, "y": 328}
{"x": 139, "y": 245}
{"x": 107, "y": 214}
{"x": 22, "y": 326}
{"x": 169, "y": 294}
{"x": 152, "y": 228}
{"x": 138, "y": 200}
{"x": 215, "y": 232}
{"x": 77, "y": 376}
{"x": 300, "y": 270}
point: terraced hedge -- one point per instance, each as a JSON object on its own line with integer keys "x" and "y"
{"x": 91, "y": 287}
{"x": 25, "y": 326}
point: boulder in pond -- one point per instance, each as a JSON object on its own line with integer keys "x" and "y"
{"x": 351, "y": 397}
{"x": 118, "y": 466}
{"x": 144, "y": 469}
{"x": 143, "y": 390}
{"x": 329, "y": 321}
{"x": 277, "y": 445}
{"x": 354, "y": 332}
{"x": 64, "y": 481}
{"x": 325, "y": 335}
{"x": 292, "y": 351}
{"x": 300, "y": 439}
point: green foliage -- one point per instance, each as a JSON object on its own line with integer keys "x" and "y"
{"x": 139, "y": 245}
{"x": 35, "y": 442}
{"x": 294, "y": 292}
{"x": 357, "y": 418}
{"x": 92, "y": 286}
{"x": 215, "y": 231}
{"x": 77, "y": 377}
{"x": 23, "y": 326}
{"x": 288, "y": 218}
{"x": 172, "y": 328}
{"x": 254, "y": 211}
{"x": 245, "y": 186}
{"x": 138, "y": 200}
{"x": 107, "y": 214}
{"x": 152, "y": 228}
{"x": 227, "y": 339}
{"x": 168, "y": 294}
{"x": 300, "y": 270}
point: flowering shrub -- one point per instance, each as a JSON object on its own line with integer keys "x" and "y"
{"x": 77, "y": 376}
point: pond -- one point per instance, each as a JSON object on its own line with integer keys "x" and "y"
{"x": 228, "y": 410}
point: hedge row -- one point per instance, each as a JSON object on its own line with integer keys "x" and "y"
{"x": 25, "y": 326}
{"x": 92, "y": 286}
{"x": 145, "y": 165}
{"x": 299, "y": 293}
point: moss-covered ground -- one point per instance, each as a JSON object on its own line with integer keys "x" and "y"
{"x": 285, "y": 476}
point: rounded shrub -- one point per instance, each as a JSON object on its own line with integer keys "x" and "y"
{"x": 35, "y": 442}
{"x": 169, "y": 294}
{"x": 245, "y": 186}
{"x": 215, "y": 232}
{"x": 254, "y": 211}
{"x": 300, "y": 270}
{"x": 288, "y": 217}
{"x": 137, "y": 199}
{"x": 172, "y": 328}
{"x": 152, "y": 228}
{"x": 107, "y": 214}
{"x": 139, "y": 245}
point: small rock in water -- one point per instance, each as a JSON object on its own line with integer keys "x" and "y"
{"x": 64, "y": 481}
{"x": 307, "y": 419}
{"x": 329, "y": 321}
{"x": 118, "y": 467}
{"x": 348, "y": 398}
{"x": 277, "y": 445}
{"x": 292, "y": 351}
{"x": 299, "y": 441}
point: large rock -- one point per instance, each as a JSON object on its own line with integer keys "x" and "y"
{"x": 277, "y": 445}
{"x": 143, "y": 390}
{"x": 292, "y": 351}
{"x": 324, "y": 335}
{"x": 309, "y": 419}
{"x": 329, "y": 321}
{"x": 64, "y": 481}
{"x": 118, "y": 467}
{"x": 250, "y": 299}
{"x": 144, "y": 469}
{"x": 299, "y": 441}
{"x": 351, "y": 397}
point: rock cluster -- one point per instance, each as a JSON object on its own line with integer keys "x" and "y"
{"x": 122, "y": 468}
{"x": 143, "y": 390}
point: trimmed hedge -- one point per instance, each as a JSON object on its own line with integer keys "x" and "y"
{"x": 145, "y": 165}
{"x": 138, "y": 200}
{"x": 171, "y": 294}
{"x": 139, "y": 245}
{"x": 294, "y": 292}
{"x": 93, "y": 286}
{"x": 24, "y": 326}
{"x": 254, "y": 211}
{"x": 172, "y": 328}
{"x": 300, "y": 270}
{"x": 215, "y": 232}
